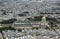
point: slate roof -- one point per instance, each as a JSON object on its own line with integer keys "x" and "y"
{"x": 22, "y": 23}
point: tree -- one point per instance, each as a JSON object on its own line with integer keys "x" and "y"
{"x": 8, "y": 21}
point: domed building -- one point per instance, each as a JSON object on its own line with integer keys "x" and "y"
{"x": 44, "y": 23}
{"x": 30, "y": 24}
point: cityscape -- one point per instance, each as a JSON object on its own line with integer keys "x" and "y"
{"x": 29, "y": 19}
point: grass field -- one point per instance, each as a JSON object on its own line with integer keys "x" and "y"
{"x": 6, "y": 25}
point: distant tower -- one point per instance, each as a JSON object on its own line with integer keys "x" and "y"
{"x": 43, "y": 22}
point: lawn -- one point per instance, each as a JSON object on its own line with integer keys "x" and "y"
{"x": 6, "y": 25}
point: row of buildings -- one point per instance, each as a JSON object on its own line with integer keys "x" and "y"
{"x": 31, "y": 34}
